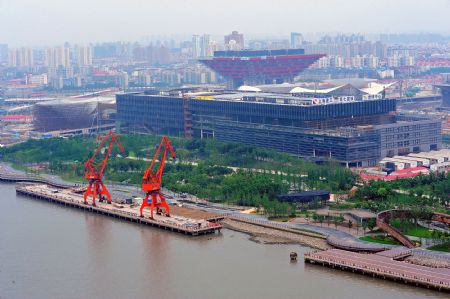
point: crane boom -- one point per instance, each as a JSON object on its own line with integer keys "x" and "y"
{"x": 96, "y": 186}
{"x": 152, "y": 180}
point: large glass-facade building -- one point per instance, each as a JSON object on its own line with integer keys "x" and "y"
{"x": 354, "y": 132}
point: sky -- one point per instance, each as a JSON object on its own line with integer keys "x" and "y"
{"x": 52, "y": 22}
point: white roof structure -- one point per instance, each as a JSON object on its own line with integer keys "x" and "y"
{"x": 247, "y": 88}
{"x": 374, "y": 88}
{"x": 365, "y": 86}
{"x": 318, "y": 91}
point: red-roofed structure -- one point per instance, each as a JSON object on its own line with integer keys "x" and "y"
{"x": 399, "y": 174}
{"x": 16, "y": 118}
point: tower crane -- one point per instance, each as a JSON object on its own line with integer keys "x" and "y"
{"x": 152, "y": 180}
{"x": 94, "y": 173}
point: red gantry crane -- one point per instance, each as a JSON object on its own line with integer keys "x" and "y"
{"x": 152, "y": 180}
{"x": 94, "y": 173}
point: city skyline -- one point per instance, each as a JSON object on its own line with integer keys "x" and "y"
{"x": 85, "y": 22}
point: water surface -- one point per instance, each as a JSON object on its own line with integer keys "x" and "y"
{"x": 48, "y": 251}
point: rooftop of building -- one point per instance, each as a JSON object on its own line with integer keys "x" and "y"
{"x": 78, "y": 101}
{"x": 270, "y": 98}
{"x": 362, "y": 85}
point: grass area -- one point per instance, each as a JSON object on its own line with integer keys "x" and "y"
{"x": 380, "y": 239}
{"x": 412, "y": 229}
{"x": 444, "y": 247}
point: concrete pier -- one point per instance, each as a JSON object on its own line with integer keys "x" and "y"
{"x": 179, "y": 224}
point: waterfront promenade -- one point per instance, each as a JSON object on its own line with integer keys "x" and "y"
{"x": 383, "y": 266}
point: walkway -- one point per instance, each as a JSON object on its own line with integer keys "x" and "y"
{"x": 334, "y": 237}
{"x": 383, "y": 267}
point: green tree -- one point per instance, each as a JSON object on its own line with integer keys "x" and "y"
{"x": 365, "y": 225}
{"x": 371, "y": 223}
{"x": 350, "y": 224}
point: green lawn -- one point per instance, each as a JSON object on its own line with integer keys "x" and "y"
{"x": 444, "y": 247}
{"x": 380, "y": 239}
{"x": 411, "y": 229}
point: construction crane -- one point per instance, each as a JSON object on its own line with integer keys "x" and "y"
{"x": 94, "y": 172}
{"x": 152, "y": 180}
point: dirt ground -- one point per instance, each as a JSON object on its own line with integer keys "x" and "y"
{"x": 191, "y": 213}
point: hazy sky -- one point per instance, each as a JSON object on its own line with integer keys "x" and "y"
{"x": 47, "y": 22}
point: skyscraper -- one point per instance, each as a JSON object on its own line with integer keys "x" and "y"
{"x": 22, "y": 57}
{"x": 56, "y": 57}
{"x": 84, "y": 56}
{"x": 12, "y": 58}
{"x": 196, "y": 49}
{"x": 296, "y": 40}
{"x": 205, "y": 49}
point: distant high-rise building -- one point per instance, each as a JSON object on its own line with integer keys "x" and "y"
{"x": 57, "y": 57}
{"x": 12, "y": 58}
{"x": 205, "y": 49}
{"x": 393, "y": 61}
{"x": 22, "y": 57}
{"x": 336, "y": 61}
{"x": 234, "y": 41}
{"x": 296, "y": 40}
{"x": 370, "y": 61}
{"x": 84, "y": 56}
{"x": 26, "y": 57}
{"x": 380, "y": 50}
{"x": 357, "y": 61}
{"x": 407, "y": 61}
{"x": 144, "y": 79}
{"x": 196, "y": 49}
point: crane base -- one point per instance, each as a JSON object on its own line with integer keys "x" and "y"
{"x": 94, "y": 189}
{"x": 159, "y": 205}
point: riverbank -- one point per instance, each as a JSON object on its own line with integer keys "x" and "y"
{"x": 266, "y": 235}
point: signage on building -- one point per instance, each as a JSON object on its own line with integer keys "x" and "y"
{"x": 333, "y": 100}
{"x": 366, "y": 97}
{"x": 345, "y": 99}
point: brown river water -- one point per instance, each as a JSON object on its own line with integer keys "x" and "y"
{"x": 51, "y": 252}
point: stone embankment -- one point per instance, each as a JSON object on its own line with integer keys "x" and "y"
{"x": 274, "y": 236}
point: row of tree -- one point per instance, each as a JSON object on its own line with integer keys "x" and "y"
{"x": 225, "y": 172}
